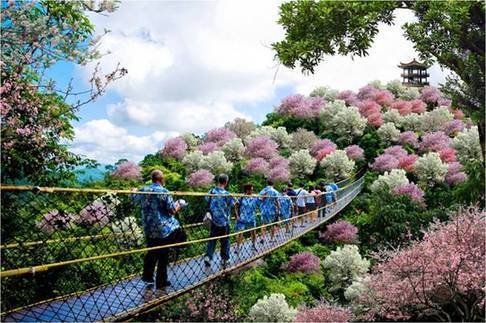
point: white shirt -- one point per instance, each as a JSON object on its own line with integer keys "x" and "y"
{"x": 301, "y": 193}
{"x": 310, "y": 199}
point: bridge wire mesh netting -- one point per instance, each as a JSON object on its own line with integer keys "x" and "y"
{"x": 77, "y": 255}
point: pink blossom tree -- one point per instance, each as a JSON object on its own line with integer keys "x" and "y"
{"x": 434, "y": 141}
{"x": 403, "y": 107}
{"x": 354, "y": 152}
{"x": 219, "y": 136}
{"x": 407, "y": 162}
{"x": 439, "y": 278}
{"x": 454, "y": 174}
{"x": 323, "y": 312}
{"x": 349, "y": 97}
{"x": 341, "y": 231}
{"x": 385, "y": 162}
{"x": 127, "y": 170}
{"x": 430, "y": 95}
{"x": 305, "y": 262}
{"x": 257, "y": 166}
{"x": 208, "y": 147}
{"x": 324, "y": 144}
{"x": 418, "y": 106}
{"x": 409, "y": 138}
{"x": 261, "y": 147}
{"x": 174, "y": 148}
{"x": 200, "y": 178}
{"x": 411, "y": 190}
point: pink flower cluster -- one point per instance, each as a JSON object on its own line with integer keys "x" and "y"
{"x": 448, "y": 155}
{"x": 354, "y": 152}
{"x": 279, "y": 169}
{"x": 434, "y": 141}
{"x": 55, "y": 220}
{"x": 382, "y": 97}
{"x": 384, "y": 163}
{"x": 322, "y": 148}
{"x": 305, "y": 262}
{"x": 208, "y": 147}
{"x": 372, "y": 112}
{"x": 454, "y": 174}
{"x": 208, "y": 305}
{"x": 446, "y": 267}
{"x": 458, "y": 114}
{"x": 349, "y": 97}
{"x": 341, "y": 231}
{"x": 409, "y": 138}
{"x": 258, "y": 166}
{"x": 418, "y": 106}
{"x": 200, "y": 178}
{"x": 302, "y": 107}
{"x": 394, "y": 157}
{"x": 411, "y": 190}
{"x": 175, "y": 148}
{"x": 403, "y": 107}
{"x": 454, "y": 126}
{"x": 128, "y": 170}
{"x": 324, "y": 312}
{"x": 96, "y": 213}
{"x": 262, "y": 147}
{"x": 219, "y": 136}
{"x": 430, "y": 95}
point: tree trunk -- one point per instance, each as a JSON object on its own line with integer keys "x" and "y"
{"x": 481, "y": 129}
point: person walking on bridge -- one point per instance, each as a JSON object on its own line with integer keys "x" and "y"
{"x": 220, "y": 208}
{"x": 246, "y": 219}
{"x": 269, "y": 208}
{"x": 159, "y": 225}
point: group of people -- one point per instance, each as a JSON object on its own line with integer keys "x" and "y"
{"x": 160, "y": 225}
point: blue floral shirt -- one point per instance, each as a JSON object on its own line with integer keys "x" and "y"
{"x": 157, "y": 222}
{"x": 268, "y": 205}
{"x": 220, "y": 206}
{"x": 285, "y": 206}
{"x": 247, "y": 207}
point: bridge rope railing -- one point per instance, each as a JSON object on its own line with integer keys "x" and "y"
{"x": 52, "y": 268}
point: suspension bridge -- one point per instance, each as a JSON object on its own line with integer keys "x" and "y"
{"x": 93, "y": 273}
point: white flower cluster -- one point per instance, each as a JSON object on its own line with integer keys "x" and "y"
{"x": 346, "y": 122}
{"x": 302, "y": 139}
{"x": 241, "y": 127}
{"x": 301, "y": 163}
{"x": 325, "y": 92}
{"x": 390, "y": 180}
{"x": 127, "y": 232}
{"x": 358, "y": 287}
{"x": 394, "y": 117}
{"x": 344, "y": 266}
{"x": 388, "y": 133}
{"x": 402, "y": 92}
{"x": 279, "y": 135}
{"x": 436, "y": 119}
{"x": 215, "y": 162}
{"x": 272, "y": 308}
{"x": 337, "y": 165}
{"x": 190, "y": 140}
{"x": 467, "y": 145}
{"x": 233, "y": 149}
{"x": 412, "y": 122}
{"x": 430, "y": 169}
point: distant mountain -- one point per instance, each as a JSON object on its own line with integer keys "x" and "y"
{"x": 89, "y": 175}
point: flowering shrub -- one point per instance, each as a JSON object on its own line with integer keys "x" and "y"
{"x": 344, "y": 265}
{"x": 262, "y": 147}
{"x": 219, "y": 136}
{"x": 388, "y": 132}
{"x": 241, "y": 127}
{"x": 127, "y": 170}
{"x": 301, "y": 163}
{"x": 444, "y": 274}
{"x": 127, "y": 232}
{"x": 403, "y": 107}
{"x": 412, "y": 122}
{"x": 190, "y": 140}
{"x": 200, "y": 178}
{"x": 418, "y": 106}
{"x": 279, "y": 135}
{"x": 345, "y": 122}
{"x": 390, "y": 180}
{"x": 385, "y": 162}
{"x": 467, "y": 145}
{"x": 208, "y": 304}
{"x": 349, "y": 97}
{"x": 325, "y": 92}
{"x": 393, "y": 116}
{"x": 272, "y": 308}
{"x": 279, "y": 169}
{"x": 453, "y": 127}
{"x": 407, "y": 162}
{"x": 458, "y": 114}
{"x": 436, "y": 119}
{"x": 55, "y": 220}
{"x": 357, "y": 288}
{"x": 430, "y": 95}
{"x": 448, "y": 155}
{"x": 354, "y": 152}
{"x": 234, "y": 149}
{"x": 175, "y": 148}
{"x": 96, "y": 213}
{"x": 411, "y": 190}
{"x": 324, "y": 144}
{"x": 396, "y": 151}
{"x": 434, "y": 141}
{"x": 305, "y": 262}
{"x": 216, "y": 163}
{"x": 301, "y": 107}
{"x": 257, "y": 166}
{"x": 337, "y": 165}
{"x": 324, "y": 312}
{"x": 341, "y": 231}
{"x": 409, "y": 138}
{"x": 372, "y": 112}
{"x": 302, "y": 139}
{"x": 375, "y": 119}
{"x": 430, "y": 169}
{"x": 410, "y": 93}
{"x": 208, "y": 147}
{"x": 193, "y": 161}
{"x": 454, "y": 175}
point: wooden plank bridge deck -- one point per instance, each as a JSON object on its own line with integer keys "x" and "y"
{"x": 130, "y": 296}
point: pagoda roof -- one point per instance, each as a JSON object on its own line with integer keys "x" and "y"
{"x": 413, "y": 63}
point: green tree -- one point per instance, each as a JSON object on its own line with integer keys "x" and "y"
{"x": 448, "y": 32}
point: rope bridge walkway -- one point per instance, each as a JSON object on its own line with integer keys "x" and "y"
{"x": 77, "y": 255}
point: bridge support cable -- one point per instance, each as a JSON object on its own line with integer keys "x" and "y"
{"x": 86, "y": 265}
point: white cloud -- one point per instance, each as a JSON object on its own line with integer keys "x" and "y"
{"x": 103, "y": 141}
{"x": 190, "y": 63}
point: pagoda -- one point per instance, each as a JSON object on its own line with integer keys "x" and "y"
{"x": 414, "y": 74}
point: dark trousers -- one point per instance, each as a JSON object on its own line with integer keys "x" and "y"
{"x": 159, "y": 257}
{"x": 217, "y": 231}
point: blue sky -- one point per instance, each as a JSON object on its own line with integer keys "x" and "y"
{"x": 194, "y": 65}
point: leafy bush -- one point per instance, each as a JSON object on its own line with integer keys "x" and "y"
{"x": 272, "y": 308}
